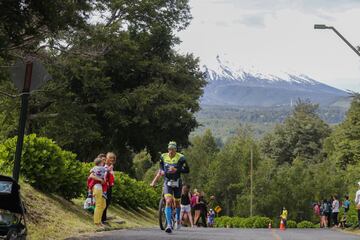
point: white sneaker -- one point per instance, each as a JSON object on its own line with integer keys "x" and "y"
{"x": 177, "y": 225}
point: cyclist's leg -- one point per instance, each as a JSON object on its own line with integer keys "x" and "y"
{"x": 177, "y": 197}
{"x": 168, "y": 194}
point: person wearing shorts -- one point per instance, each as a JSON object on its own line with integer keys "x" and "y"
{"x": 185, "y": 205}
{"x": 172, "y": 164}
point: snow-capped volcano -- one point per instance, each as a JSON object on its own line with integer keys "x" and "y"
{"x": 232, "y": 85}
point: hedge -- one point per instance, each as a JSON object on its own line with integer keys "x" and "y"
{"x": 238, "y": 222}
{"x": 305, "y": 224}
{"x": 50, "y": 169}
{"x": 291, "y": 224}
{"x": 46, "y": 166}
{"x": 129, "y": 192}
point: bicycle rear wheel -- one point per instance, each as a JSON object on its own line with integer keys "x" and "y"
{"x": 162, "y": 217}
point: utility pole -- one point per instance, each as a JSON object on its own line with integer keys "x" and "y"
{"x": 251, "y": 181}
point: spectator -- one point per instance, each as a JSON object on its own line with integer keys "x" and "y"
{"x": 346, "y": 205}
{"x": 194, "y": 201}
{"x": 211, "y": 217}
{"x": 98, "y": 174}
{"x": 357, "y": 202}
{"x": 284, "y": 215}
{"x": 202, "y": 210}
{"x": 327, "y": 206}
{"x": 316, "y": 208}
{"x": 335, "y": 211}
{"x": 185, "y": 204}
{"x": 109, "y": 180}
{"x": 323, "y": 218}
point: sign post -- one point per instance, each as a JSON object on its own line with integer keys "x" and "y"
{"x": 22, "y": 122}
{"x": 26, "y": 76}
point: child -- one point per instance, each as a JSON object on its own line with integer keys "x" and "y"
{"x": 185, "y": 204}
{"x": 211, "y": 216}
{"x": 100, "y": 172}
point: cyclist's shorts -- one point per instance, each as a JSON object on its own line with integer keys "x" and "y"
{"x": 172, "y": 191}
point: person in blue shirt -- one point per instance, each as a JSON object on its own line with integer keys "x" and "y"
{"x": 346, "y": 204}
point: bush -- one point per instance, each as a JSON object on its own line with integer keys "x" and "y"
{"x": 236, "y": 222}
{"x": 45, "y": 166}
{"x": 223, "y": 221}
{"x": 305, "y": 224}
{"x": 128, "y": 192}
{"x": 261, "y": 222}
{"x": 290, "y": 224}
{"x": 248, "y": 222}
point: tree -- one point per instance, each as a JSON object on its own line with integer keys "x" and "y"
{"x": 301, "y": 135}
{"x": 133, "y": 91}
{"x": 199, "y": 155}
{"x": 25, "y": 24}
{"x": 344, "y": 144}
{"x": 229, "y": 173}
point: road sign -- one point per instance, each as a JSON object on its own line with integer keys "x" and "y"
{"x": 39, "y": 75}
{"x": 217, "y": 209}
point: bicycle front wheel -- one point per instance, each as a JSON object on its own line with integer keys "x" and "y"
{"x": 162, "y": 217}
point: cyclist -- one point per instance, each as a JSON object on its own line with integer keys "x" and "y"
{"x": 173, "y": 164}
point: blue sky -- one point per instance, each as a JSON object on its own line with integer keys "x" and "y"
{"x": 276, "y": 36}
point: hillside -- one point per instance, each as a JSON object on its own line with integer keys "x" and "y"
{"x": 51, "y": 217}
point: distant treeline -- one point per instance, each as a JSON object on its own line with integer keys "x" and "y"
{"x": 277, "y": 114}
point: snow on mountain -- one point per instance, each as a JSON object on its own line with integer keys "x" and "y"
{"x": 234, "y": 85}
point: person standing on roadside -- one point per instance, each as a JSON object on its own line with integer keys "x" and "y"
{"x": 327, "y": 211}
{"x": 284, "y": 215}
{"x": 323, "y": 218}
{"x": 110, "y": 180}
{"x": 346, "y": 205}
{"x": 357, "y": 203}
{"x": 98, "y": 174}
{"x": 335, "y": 211}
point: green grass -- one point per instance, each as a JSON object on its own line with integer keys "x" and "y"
{"x": 51, "y": 217}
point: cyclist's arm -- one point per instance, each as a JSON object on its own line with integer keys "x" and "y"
{"x": 184, "y": 167}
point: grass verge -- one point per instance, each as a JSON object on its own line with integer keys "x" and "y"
{"x": 51, "y": 217}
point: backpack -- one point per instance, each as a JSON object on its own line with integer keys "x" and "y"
{"x": 327, "y": 207}
{"x": 193, "y": 200}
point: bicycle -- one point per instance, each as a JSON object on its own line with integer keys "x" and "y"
{"x": 162, "y": 217}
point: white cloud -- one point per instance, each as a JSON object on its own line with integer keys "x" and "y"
{"x": 278, "y": 36}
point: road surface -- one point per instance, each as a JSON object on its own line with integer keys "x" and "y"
{"x": 222, "y": 234}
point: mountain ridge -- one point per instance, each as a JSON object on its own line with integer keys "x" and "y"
{"x": 229, "y": 85}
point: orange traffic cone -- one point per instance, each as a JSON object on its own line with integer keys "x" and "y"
{"x": 269, "y": 225}
{"x": 282, "y": 225}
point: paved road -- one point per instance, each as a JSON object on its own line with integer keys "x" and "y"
{"x": 223, "y": 234}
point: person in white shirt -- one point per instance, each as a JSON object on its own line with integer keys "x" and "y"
{"x": 357, "y": 202}
{"x": 335, "y": 211}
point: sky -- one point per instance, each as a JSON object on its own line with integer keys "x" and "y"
{"x": 274, "y": 36}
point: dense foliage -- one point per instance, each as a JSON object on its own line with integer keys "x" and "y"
{"x": 130, "y": 193}
{"x": 46, "y": 166}
{"x": 50, "y": 169}
{"x": 118, "y": 83}
{"x": 237, "y": 222}
{"x": 294, "y": 166}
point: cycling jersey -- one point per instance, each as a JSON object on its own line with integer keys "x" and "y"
{"x": 172, "y": 180}
{"x": 178, "y": 162}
